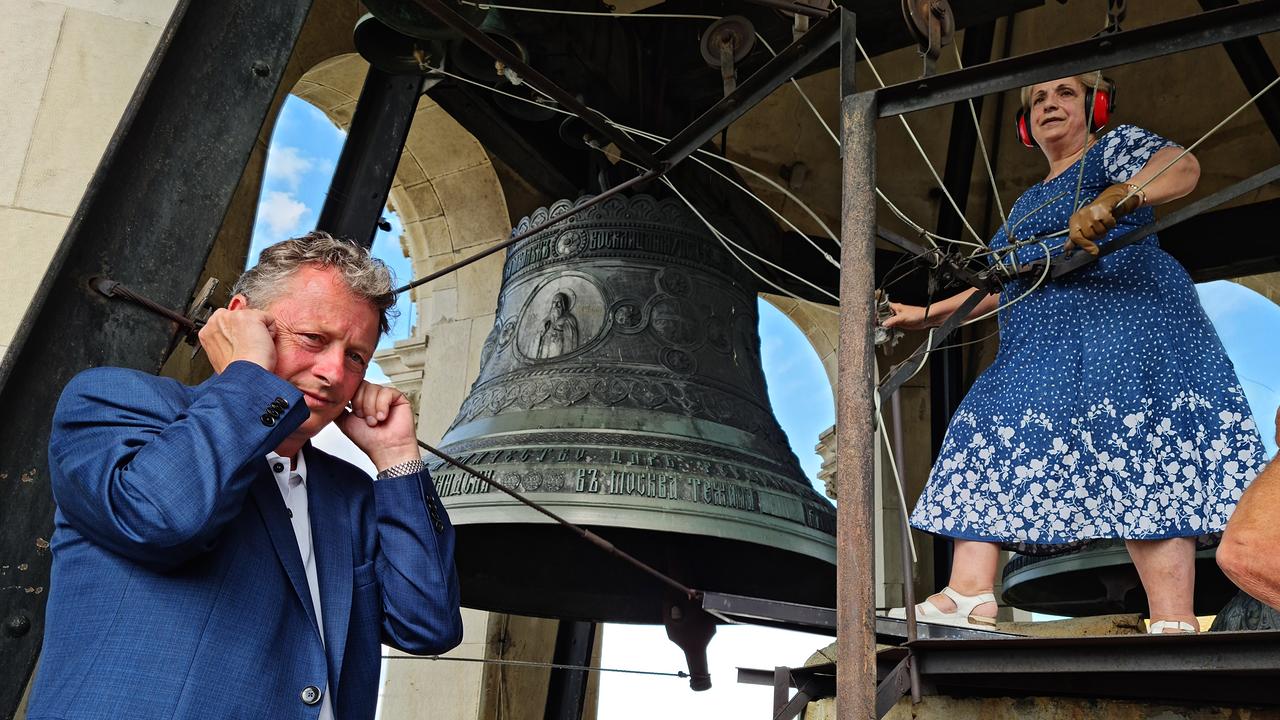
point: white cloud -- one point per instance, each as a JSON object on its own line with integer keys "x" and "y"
{"x": 287, "y": 165}
{"x": 280, "y": 212}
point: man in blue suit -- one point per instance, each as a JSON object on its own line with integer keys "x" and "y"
{"x": 208, "y": 562}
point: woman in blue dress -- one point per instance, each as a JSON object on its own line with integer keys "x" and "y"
{"x": 1111, "y": 409}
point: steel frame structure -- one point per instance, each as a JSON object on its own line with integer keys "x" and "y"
{"x": 857, "y": 691}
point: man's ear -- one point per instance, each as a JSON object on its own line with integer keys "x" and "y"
{"x": 238, "y": 302}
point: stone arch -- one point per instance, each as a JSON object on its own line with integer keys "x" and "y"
{"x": 822, "y": 328}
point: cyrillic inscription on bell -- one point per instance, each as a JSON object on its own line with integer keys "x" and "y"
{"x": 621, "y": 387}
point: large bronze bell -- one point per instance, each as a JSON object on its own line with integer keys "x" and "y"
{"x": 621, "y": 387}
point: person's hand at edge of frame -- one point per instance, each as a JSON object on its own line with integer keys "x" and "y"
{"x": 911, "y": 317}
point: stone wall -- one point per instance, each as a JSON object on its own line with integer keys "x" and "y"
{"x": 67, "y": 71}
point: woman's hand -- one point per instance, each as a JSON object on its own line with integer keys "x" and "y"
{"x": 911, "y": 317}
{"x": 1092, "y": 222}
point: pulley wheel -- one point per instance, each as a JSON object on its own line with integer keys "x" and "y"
{"x": 734, "y": 29}
{"x": 928, "y": 19}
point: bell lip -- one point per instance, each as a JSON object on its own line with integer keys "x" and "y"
{"x": 622, "y": 422}
{"x": 723, "y": 523}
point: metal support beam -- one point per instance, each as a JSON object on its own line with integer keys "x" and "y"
{"x": 855, "y": 465}
{"x": 538, "y": 81}
{"x": 1130, "y": 46}
{"x": 775, "y": 73}
{"x": 1255, "y": 69}
{"x": 370, "y": 155}
{"x": 148, "y": 219}
{"x": 567, "y": 689}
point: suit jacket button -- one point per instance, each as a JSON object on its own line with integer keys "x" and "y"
{"x": 268, "y": 420}
{"x": 281, "y": 402}
{"x": 310, "y": 695}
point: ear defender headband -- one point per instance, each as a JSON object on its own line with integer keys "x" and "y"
{"x": 1103, "y": 105}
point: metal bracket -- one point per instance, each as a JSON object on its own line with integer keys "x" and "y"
{"x": 201, "y": 307}
{"x": 894, "y": 685}
{"x": 726, "y": 43}
{"x": 933, "y": 25}
{"x": 189, "y": 325}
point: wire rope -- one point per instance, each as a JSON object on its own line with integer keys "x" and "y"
{"x": 920, "y": 148}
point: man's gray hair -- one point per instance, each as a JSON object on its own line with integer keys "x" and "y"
{"x": 366, "y": 277}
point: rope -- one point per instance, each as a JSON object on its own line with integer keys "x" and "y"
{"x": 1196, "y": 144}
{"x": 723, "y": 239}
{"x": 986, "y": 157}
{"x": 919, "y": 148}
{"x": 726, "y": 242}
{"x": 1044, "y": 276}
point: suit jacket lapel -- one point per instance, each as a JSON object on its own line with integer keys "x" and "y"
{"x": 331, "y": 538}
{"x": 266, "y": 495}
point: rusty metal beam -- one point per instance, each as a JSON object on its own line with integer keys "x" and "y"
{"x": 1130, "y": 46}
{"x": 855, "y": 466}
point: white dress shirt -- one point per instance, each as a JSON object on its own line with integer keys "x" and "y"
{"x": 293, "y": 487}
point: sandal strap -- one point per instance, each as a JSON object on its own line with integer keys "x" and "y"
{"x": 967, "y": 601}
{"x": 1157, "y": 627}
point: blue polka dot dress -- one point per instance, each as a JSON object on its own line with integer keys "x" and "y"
{"x": 1111, "y": 410}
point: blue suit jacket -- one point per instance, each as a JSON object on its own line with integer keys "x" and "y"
{"x": 178, "y": 590}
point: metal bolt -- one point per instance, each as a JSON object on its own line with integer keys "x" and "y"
{"x": 260, "y": 68}
{"x": 17, "y": 626}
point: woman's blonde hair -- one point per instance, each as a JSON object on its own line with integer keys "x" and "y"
{"x": 1087, "y": 80}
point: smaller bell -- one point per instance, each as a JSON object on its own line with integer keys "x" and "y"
{"x": 394, "y": 52}
{"x": 478, "y": 65}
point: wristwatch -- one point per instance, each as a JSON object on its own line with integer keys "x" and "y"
{"x": 408, "y": 467}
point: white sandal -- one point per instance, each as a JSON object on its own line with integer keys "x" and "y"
{"x": 1157, "y": 627}
{"x": 962, "y": 616}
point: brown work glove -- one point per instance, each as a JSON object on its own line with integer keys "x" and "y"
{"x": 1094, "y": 220}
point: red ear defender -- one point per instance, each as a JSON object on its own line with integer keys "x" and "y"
{"x": 1103, "y": 101}
{"x": 1022, "y": 121}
